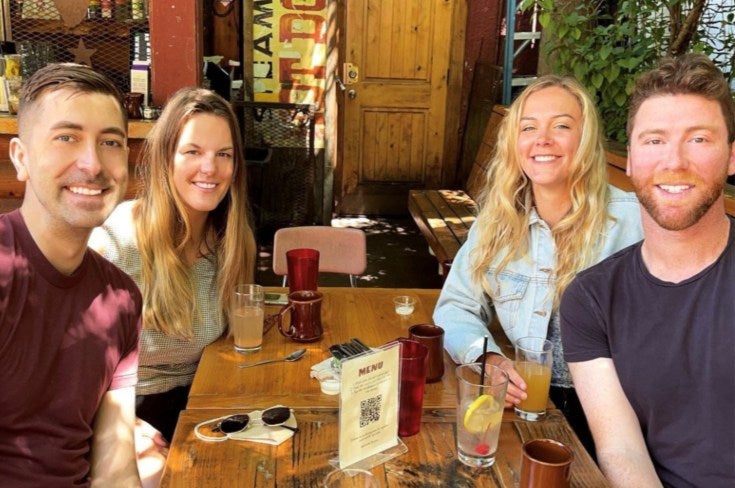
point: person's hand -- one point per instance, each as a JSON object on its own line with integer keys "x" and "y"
{"x": 516, "y": 386}
{"x": 151, "y": 449}
{"x": 148, "y": 440}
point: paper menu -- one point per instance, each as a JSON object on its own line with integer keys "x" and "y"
{"x": 368, "y": 409}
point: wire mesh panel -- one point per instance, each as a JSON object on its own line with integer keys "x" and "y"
{"x": 105, "y": 34}
{"x": 285, "y": 182}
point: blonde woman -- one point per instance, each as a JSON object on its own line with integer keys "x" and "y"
{"x": 187, "y": 242}
{"x": 547, "y": 213}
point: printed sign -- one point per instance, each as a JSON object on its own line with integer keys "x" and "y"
{"x": 368, "y": 405}
{"x": 289, "y": 50}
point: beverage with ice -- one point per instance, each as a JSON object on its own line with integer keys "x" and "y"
{"x": 247, "y": 328}
{"x": 478, "y": 429}
{"x": 533, "y": 363}
{"x": 480, "y": 403}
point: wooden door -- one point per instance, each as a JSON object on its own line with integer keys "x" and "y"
{"x": 395, "y": 111}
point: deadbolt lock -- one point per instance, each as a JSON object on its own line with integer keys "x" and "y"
{"x": 352, "y": 73}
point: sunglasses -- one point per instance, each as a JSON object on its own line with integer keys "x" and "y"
{"x": 272, "y": 417}
{"x": 233, "y": 424}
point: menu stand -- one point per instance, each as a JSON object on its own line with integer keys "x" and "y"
{"x": 368, "y": 409}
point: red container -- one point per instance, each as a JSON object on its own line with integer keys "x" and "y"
{"x": 413, "y": 376}
{"x": 303, "y": 269}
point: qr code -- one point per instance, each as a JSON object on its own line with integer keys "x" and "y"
{"x": 370, "y": 410}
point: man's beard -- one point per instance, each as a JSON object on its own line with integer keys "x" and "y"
{"x": 678, "y": 218}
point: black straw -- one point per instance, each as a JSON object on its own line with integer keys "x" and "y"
{"x": 482, "y": 367}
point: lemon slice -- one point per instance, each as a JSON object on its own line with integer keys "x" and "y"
{"x": 483, "y": 414}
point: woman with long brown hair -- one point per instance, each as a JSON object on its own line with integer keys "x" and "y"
{"x": 186, "y": 241}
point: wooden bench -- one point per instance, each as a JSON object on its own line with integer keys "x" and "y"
{"x": 445, "y": 216}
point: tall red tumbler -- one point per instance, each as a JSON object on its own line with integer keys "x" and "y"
{"x": 303, "y": 269}
{"x": 413, "y": 376}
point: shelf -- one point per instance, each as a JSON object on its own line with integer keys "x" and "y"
{"x": 91, "y": 27}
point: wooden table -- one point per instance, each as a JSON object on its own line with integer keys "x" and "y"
{"x": 221, "y": 388}
{"x": 303, "y": 460}
{"x": 366, "y": 313}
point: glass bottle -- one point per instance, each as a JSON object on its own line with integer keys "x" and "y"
{"x": 94, "y": 9}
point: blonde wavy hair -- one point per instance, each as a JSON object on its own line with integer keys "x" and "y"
{"x": 163, "y": 228}
{"x": 507, "y": 198}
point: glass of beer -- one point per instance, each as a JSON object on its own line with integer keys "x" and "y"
{"x": 246, "y": 325}
{"x": 533, "y": 363}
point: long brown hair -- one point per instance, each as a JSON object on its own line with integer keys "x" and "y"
{"x": 163, "y": 228}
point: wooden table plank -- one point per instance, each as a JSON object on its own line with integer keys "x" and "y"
{"x": 303, "y": 460}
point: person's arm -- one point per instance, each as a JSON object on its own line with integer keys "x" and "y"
{"x": 113, "y": 442}
{"x": 621, "y": 449}
{"x": 463, "y": 310}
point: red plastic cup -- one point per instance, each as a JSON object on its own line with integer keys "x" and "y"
{"x": 413, "y": 376}
{"x": 303, "y": 269}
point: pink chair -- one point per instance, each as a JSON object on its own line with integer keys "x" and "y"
{"x": 341, "y": 250}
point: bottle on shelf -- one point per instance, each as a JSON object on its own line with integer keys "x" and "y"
{"x": 106, "y": 9}
{"x": 94, "y": 9}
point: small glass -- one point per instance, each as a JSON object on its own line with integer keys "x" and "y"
{"x": 404, "y": 304}
{"x": 533, "y": 363}
{"x": 479, "y": 413}
{"x": 350, "y": 477}
{"x": 247, "y": 318}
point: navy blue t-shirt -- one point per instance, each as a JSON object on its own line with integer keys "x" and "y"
{"x": 673, "y": 346}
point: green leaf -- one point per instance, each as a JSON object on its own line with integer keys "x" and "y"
{"x": 621, "y": 99}
{"x": 597, "y": 80}
{"x": 545, "y": 20}
{"x": 605, "y": 52}
{"x": 580, "y": 72}
{"x": 613, "y": 72}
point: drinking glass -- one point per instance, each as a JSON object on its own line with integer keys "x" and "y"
{"x": 303, "y": 269}
{"x": 479, "y": 413}
{"x": 404, "y": 304}
{"x": 247, "y": 318}
{"x": 413, "y": 376}
{"x": 350, "y": 477}
{"x": 533, "y": 363}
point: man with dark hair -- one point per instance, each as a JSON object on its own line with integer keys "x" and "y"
{"x": 649, "y": 332}
{"x": 69, "y": 320}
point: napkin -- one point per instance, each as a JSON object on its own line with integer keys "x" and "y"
{"x": 265, "y": 434}
{"x": 327, "y": 375}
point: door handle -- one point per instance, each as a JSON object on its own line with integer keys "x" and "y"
{"x": 352, "y": 94}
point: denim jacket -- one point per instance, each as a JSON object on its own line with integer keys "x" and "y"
{"x": 524, "y": 289}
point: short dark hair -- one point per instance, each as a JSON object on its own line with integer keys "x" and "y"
{"x": 58, "y": 76}
{"x": 688, "y": 74}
